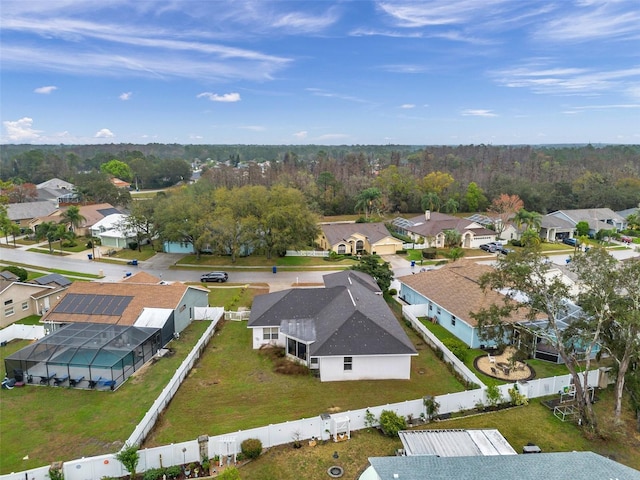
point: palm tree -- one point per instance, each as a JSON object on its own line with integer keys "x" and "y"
{"x": 451, "y": 206}
{"x": 73, "y": 217}
{"x": 50, "y": 231}
{"x": 530, "y": 220}
{"x": 452, "y": 238}
{"x": 367, "y": 200}
{"x": 431, "y": 201}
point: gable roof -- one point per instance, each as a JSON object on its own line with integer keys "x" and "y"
{"x": 338, "y": 320}
{"x": 91, "y": 213}
{"x": 595, "y": 217}
{"x": 28, "y": 210}
{"x": 56, "y": 184}
{"x": 133, "y": 298}
{"x": 52, "y": 278}
{"x": 456, "y": 288}
{"x": 550, "y": 466}
{"x": 340, "y": 232}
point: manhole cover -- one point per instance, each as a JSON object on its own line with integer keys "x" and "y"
{"x": 335, "y": 471}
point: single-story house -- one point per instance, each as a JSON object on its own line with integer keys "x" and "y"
{"x": 122, "y": 303}
{"x": 356, "y": 238}
{"x": 430, "y": 229}
{"x": 24, "y": 214}
{"x": 345, "y": 331}
{"x": 556, "y": 229}
{"x": 450, "y": 294}
{"x": 21, "y": 299}
{"x": 57, "y": 191}
{"x": 112, "y": 232}
{"x": 92, "y": 214}
{"x": 597, "y": 218}
{"x": 550, "y": 466}
{"x": 509, "y": 230}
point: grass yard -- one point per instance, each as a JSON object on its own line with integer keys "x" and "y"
{"x": 51, "y": 424}
{"x": 534, "y": 423}
{"x": 260, "y": 261}
{"x": 234, "y": 297}
{"x": 235, "y": 388}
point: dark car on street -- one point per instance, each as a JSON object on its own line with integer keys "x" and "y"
{"x": 489, "y": 247}
{"x": 214, "y": 277}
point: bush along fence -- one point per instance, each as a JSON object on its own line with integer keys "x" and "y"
{"x": 411, "y": 313}
{"x": 226, "y": 447}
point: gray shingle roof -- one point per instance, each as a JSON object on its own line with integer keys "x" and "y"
{"x": 547, "y": 466}
{"x": 52, "y": 278}
{"x": 340, "y": 320}
{"x": 337, "y": 232}
{"x": 28, "y": 210}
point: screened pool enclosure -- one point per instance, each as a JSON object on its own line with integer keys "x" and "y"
{"x": 85, "y": 355}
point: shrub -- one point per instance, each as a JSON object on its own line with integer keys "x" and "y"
{"x": 393, "y": 292}
{"x": 19, "y": 272}
{"x": 55, "y": 474}
{"x": 153, "y": 474}
{"x": 494, "y": 396}
{"x": 133, "y": 245}
{"x": 251, "y": 447}
{"x": 229, "y": 473}
{"x": 69, "y": 244}
{"x": 431, "y": 406}
{"x": 391, "y": 423}
{"x": 129, "y": 458}
{"x": 430, "y": 253}
{"x": 173, "y": 471}
{"x": 457, "y": 347}
{"x": 517, "y": 398}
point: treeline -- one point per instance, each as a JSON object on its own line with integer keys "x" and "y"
{"x": 546, "y": 178}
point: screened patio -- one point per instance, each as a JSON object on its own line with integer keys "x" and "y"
{"x": 85, "y": 355}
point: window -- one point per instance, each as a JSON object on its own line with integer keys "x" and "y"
{"x": 8, "y": 302}
{"x": 359, "y": 246}
{"x": 430, "y": 307}
{"x": 348, "y": 363}
{"x": 314, "y": 360}
{"x": 438, "y": 310}
{"x": 25, "y": 305}
{"x": 453, "y": 320}
{"x": 8, "y": 312}
{"x": 270, "y": 333}
{"x": 342, "y": 249}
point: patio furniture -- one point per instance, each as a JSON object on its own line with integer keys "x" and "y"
{"x": 60, "y": 380}
{"x": 74, "y": 382}
{"x": 494, "y": 371}
{"x": 491, "y": 359}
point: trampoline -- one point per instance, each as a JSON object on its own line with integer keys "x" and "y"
{"x": 85, "y": 355}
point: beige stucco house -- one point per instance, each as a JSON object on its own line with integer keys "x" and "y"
{"x": 355, "y": 238}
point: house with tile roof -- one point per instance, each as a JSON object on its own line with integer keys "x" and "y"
{"x": 121, "y": 303}
{"x": 344, "y": 331}
{"x": 348, "y": 238}
{"x": 450, "y": 294}
{"x": 92, "y": 214}
{"x": 431, "y": 228}
{"x": 562, "y": 223}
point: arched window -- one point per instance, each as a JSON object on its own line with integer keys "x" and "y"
{"x": 342, "y": 249}
{"x": 359, "y": 246}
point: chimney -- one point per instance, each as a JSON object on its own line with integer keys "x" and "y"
{"x": 427, "y": 215}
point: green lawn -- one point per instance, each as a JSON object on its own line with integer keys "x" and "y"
{"x": 234, "y": 387}
{"x": 51, "y": 424}
{"x": 233, "y": 298}
{"x": 66, "y": 273}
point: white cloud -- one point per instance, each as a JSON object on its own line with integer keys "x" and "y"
{"x": 45, "y": 90}
{"x": 254, "y": 128}
{"x": 408, "y": 105}
{"x": 225, "y": 98}
{"x": 104, "y": 133}
{"x": 478, "y": 113}
{"x": 125, "y": 96}
{"x": 20, "y": 130}
{"x": 302, "y": 134}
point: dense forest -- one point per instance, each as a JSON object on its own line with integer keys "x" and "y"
{"x": 409, "y": 178}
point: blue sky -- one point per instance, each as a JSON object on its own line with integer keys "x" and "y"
{"x": 320, "y": 72}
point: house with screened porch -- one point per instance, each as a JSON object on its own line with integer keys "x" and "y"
{"x": 344, "y": 331}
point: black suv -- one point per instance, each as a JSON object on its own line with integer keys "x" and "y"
{"x": 214, "y": 277}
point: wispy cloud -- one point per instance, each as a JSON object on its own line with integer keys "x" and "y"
{"x": 225, "y": 97}
{"x": 478, "y": 113}
{"x": 104, "y": 133}
{"x": 45, "y": 90}
{"x": 318, "y": 92}
{"x": 125, "y": 96}
{"x": 593, "y": 21}
{"x": 301, "y": 135}
{"x": 408, "y": 106}
{"x": 541, "y": 78}
{"x": 253, "y": 128}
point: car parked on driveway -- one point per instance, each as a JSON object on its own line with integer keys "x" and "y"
{"x": 490, "y": 247}
{"x": 570, "y": 241}
{"x": 214, "y": 277}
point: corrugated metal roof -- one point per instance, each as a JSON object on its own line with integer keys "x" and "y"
{"x": 455, "y": 443}
{"x": 153, "y": 317}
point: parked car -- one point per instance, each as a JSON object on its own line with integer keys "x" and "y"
{"x": 504, "y": 251}
{"x": 490, "y": 247}
{"x": 214, "y": 277}
{"x": 570, "y": 241}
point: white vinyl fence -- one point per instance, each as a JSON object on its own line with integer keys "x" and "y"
{"x": 307, "y": 253}
{"x": 25, "y": 332}
{"x": 276, "y": 434}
